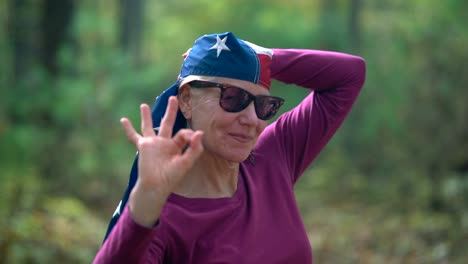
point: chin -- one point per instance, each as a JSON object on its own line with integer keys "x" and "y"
{"x": 229, "y": 151}
{"x": 242, "y": 158}
{"x": 234, "y": 155}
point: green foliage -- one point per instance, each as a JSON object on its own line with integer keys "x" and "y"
{"x": 58, "y": 229}
{"x": 391, "y": 187}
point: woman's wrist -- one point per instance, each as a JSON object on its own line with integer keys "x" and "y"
{"x": 145, "y": 205}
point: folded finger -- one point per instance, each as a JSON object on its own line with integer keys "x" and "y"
{"x": 193, "y": 151}
{"x": 183, "y": 138}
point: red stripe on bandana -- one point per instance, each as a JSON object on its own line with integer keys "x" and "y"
{"x": 265, "y": 72}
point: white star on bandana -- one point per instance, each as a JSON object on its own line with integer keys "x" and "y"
{"x": 220, "y": 45}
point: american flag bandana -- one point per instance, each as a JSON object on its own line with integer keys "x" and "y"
{"x": 218, "y": 55}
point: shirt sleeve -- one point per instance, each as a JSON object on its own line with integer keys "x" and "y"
{"x": 335, "y": 80}
{"x": 130, "y": 242}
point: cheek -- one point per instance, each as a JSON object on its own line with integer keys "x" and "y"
{"x": 202, "y": 112}
{"x": 261, "y": 126}
{"x": 204, "y": 104}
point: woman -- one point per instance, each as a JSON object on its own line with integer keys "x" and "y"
{"x": 221, "y": 190}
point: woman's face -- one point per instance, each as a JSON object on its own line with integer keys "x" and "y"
{"x": 230, "y": 136}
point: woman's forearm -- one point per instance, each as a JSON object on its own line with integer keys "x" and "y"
{"x": 317, "y": 69}
{"x": 128, "y": 243}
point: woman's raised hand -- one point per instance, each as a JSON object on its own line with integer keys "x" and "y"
{"x": 162, "y": 161}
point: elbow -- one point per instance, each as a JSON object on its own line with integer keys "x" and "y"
{"x": 359, "y": 71}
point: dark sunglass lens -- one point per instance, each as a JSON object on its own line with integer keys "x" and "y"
{"x": 234, "y": 99}
{"x": 267, "y": 106}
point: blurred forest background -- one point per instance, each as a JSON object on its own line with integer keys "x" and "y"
{"x": 391, "y": 187}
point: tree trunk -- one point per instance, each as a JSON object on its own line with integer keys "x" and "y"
{"x": 24, "y": 37}
{"x": 328, "y": 25}
{"x": 354, "y": 28}
{"x": 131, "y": 25}
{"x": 56, "y": 18}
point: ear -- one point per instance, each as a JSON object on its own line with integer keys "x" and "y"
{"x": 185, "y": 101}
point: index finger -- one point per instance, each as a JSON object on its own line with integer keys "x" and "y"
{"x": 167, "y": 123}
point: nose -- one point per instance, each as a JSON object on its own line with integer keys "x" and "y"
{"x": 248, "y": 116}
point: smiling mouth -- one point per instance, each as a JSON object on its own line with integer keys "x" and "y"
{"x": 241, "y": 138}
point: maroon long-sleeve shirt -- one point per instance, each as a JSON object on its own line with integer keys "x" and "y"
{"x": 261, "y": 222}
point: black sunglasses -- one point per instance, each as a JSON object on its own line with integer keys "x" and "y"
{"x": 234, "y": 99}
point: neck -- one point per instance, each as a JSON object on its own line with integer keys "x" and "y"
{"x": 210, "y": 177}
